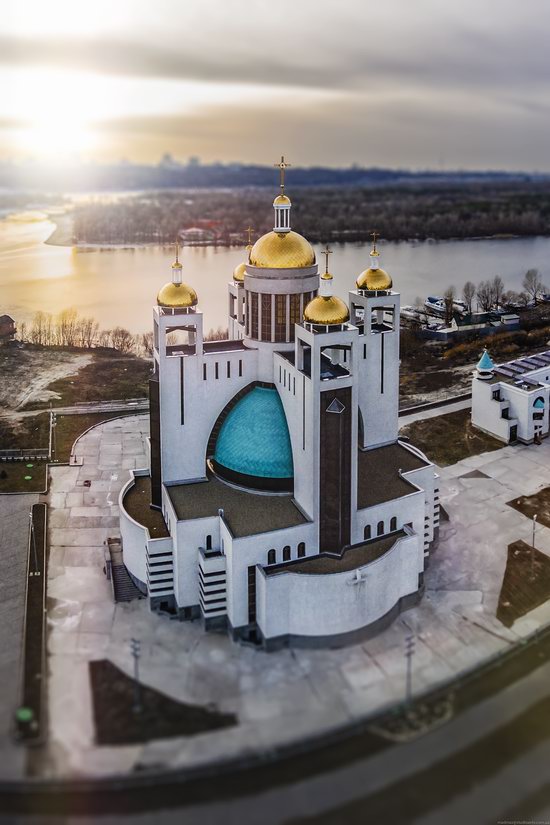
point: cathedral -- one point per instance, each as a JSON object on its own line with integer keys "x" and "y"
{"x": 291, "y": 512}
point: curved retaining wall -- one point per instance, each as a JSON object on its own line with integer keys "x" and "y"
{"x": 134, "y": 537}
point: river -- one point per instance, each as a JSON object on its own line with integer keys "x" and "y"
{"x": 118, "y": 286}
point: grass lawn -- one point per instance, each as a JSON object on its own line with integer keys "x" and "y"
{"x": 34, "y": 430}
{"x": 110, "y": 376}
{"x": 449, "y": 438}
{"x": 22, "y": 477}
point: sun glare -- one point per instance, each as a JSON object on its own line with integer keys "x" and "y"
{"x": 58, "y": 140}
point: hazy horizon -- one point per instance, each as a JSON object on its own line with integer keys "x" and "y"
{"x": 419, "y": 86}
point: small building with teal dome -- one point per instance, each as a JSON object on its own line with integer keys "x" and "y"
{"x": 510, "y": 400}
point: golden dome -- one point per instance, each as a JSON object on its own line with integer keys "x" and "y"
{"x": 373, "y": 280}
{"x": 281, "y": 200}
{"x": 326, "y": 310}
{"x": 238, "y": 272}
{"x": 282, "y": 251}
{"x": 177, "y": 295}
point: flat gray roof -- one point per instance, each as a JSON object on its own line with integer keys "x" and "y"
{"x": 378, "y": 478}
{"x": 350, "y": 559}
{"x": 245, "y": 513}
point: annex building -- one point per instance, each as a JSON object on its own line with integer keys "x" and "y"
{"x": 511, "y": 400}
{"x": 290, "y": 511}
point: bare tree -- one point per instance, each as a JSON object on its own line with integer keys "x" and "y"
{"x": 122, "y": 339}
{"x": 104, "y": 338}
{"x": 468, "y": 295}
{"x": 23, "y": 331}
{"x": 146, "y": 341}
{"x": 449, "y": 298}
{"x": 497, "y": 289}
{"x": 219, "y": 334}
{"x": 533, "y": 285}
{"x": 484, "y": 295}
{"x": 66, "y": 326}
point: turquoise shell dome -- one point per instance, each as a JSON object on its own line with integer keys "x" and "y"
{"x": 253, "y": 447}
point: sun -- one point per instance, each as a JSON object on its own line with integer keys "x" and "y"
{"x": 59, "y": 139}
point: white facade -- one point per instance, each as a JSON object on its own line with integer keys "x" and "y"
{"x": 315, "y": 555}
{"x": 511, "y": 401}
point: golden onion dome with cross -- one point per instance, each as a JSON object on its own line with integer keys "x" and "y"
{"x": 326, "y": 309}
{"x": 240, "y": 269}
{"x": 175, "y": 294}
{"x": 282, "y": 248}
{"x": 374, "y": 279}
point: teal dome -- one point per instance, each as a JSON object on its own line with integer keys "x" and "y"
{"x": 253, "y": 446}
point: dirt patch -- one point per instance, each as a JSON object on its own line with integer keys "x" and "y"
{"x": 105, "y": 376}
{"x": 526, "y": 582}
{"x": 536, "y": 505}
{"x": 160, "y": 717}
{"x": 27, "y": 372}
{"x": 446, "y": 439}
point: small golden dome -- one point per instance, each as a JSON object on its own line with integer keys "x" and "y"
{"x": 326, "y": 310}
{"x": 281, "y": 200}
{"x": 282, "y": 251}
{"x": 238, "y": 272}
{"x": 177, "y": 295}
{"x": 177, "y": 265}
{"x": 373, "y": 280}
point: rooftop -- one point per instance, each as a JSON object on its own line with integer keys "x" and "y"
{"x": 350, "y": 559}
{"x": 245, "y": 513}
{"x": 137, "y": 503}
{"x": 378, "y": 478}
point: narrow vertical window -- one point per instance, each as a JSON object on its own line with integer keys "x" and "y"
{"x": 204, "y": 372}
{"x": 301, "y": 550}
{"x": 364, "y": 350}
{"x": 393, "y": 525}
{"x": 366, "y": 532}
{"x": 216, "y": 370}
{"x": 286, "y": 553}
{"x": 382, "y": 338}
{"x": 294, "y": 386}
{"x": 271, "y": 558}
{"x": 182, "y": 407}
{"x": 229, "y": 369}
{"x": 240, "y": 368}
{"x": 380, "y": 529}
{"x": 209, "y": 542}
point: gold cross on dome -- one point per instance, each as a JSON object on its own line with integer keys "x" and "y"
{"x": 282, "y": 166}
{"x": 326, "y": 252}
{"x": 177, "y": 245}
{"x": 374, "y": 236}
{"x": 250, "y": 231}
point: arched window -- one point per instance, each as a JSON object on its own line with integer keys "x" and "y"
{"x": 271, "y": 557}
{"x": 366, "y": 532}
{"x": 393, "y": 525}
{"x": 301, "y": 550}
{"x": 380, "y": 529}
{"x": 286, "y": 553}
{"x": 209, "y": 542}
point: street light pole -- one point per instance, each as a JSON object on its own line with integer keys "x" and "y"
{"x": 533, "y": 548}
{"x": 135, "y": 647}
{"x": 409, "y": 652}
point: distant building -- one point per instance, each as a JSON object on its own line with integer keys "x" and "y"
{"x": 511, "y": 401}
{"x": 7, "y": 329}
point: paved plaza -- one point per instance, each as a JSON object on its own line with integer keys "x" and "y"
{"x": 278, "y": 697}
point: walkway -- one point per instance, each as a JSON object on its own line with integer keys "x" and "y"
{"x": 444, "y": 409}
{"x": 283, "y": 696}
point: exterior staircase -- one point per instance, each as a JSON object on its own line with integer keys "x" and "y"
{"x": 124, "y": 589}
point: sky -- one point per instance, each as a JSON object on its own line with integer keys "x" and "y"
{"x": 398, "y": 83}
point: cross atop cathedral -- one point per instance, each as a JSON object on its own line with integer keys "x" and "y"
{"x": 374, "y": 236}
{"x": 326, "y": 252}
{"x": 282, "y": 166}
{"x": 250, "y": 230}
{"x": 177, "y": 246}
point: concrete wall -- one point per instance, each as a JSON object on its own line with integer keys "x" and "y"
{"x": 300, "y": 604}
{"x": 134, "y": 536}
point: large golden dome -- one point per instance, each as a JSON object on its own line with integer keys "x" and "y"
{"x": 177, "y": 295}
{"x": 326, "y": 310}
{"x": 282, "y": 251}
{"x": 373, "y": 280}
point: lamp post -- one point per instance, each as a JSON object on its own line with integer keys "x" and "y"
{"x": 533, "y": 548}
{"x": 409, "y": 653}
{"x": 135, "y": 648}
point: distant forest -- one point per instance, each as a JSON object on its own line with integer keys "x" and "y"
{"x": 325, "y": 213}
